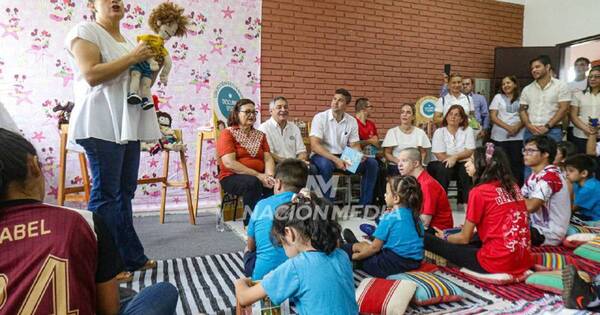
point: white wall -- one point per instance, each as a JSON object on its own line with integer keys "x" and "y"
{"x": 550, "y": 22}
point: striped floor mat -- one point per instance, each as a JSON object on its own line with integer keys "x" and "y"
{"x": 206, "y": 285}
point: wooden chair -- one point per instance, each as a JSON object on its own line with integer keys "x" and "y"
{"x": 64, "y": 193}
{"x": 71, "y": 193}
{"x": 227, "y": 201}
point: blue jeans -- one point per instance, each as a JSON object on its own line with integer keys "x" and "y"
{"x": 554, "y": 134}
{"x": 158, "y": 299}
{"x": 368, "y": 168}
{"x": 114, "y": 176}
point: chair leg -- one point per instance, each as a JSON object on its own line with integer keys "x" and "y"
{"x": 188, "y": 193}
{"x": 197, "y": 166}
{"x": 163, "y": 192}
{"x": 235, "y": 206}
{"x": 62, "y": 169}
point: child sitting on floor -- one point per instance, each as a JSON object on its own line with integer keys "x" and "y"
{"x": 398, "y": 240}
{"x": 318, "y": 276}
{"x": 586, "y": 188}
{"x": 262, "y": 256}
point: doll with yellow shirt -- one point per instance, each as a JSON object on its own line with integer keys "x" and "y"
{"x": 166, "y": 20}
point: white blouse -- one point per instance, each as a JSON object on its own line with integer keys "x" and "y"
{"x": 399, "y": 140}
{"x": 102, "y": 111}
{"x": 444, "y": 142}
{"x": 589, "y": 107}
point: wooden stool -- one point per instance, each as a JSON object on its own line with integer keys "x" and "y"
{"x": 166, "y": 183}
{"x": 71, "y": 193}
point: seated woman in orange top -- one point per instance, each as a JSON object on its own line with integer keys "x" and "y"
{"x": 245, "y": 162}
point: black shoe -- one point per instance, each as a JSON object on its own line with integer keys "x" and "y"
{"x": 146, "y": 104}
{"x": 349, "y": 236}
{"x": 133, "y": 99}
{"x": 577, "y": 293}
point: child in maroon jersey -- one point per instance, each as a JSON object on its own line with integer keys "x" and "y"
{"x": 41, "y": 243}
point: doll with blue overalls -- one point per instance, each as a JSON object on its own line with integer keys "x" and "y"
{"x": 166, "y": 20}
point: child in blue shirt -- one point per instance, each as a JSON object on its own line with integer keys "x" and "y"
{"x": 398, "y": 240}
{"x": 586, "y": 188}
{"x": 317, "y": 277}
{"x": 290, "y": 176}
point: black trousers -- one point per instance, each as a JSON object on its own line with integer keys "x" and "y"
{"x": 460, "y": 255}
{"x": 249, "y": 187}
{"x": 458, "y": 172}
{"x": 515, "y": 157}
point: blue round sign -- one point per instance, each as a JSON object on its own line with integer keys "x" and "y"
{"x": 227, "y": 96}
{"x": 428, "y": 109}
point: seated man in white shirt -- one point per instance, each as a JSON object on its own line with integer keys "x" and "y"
{"x": 284, "y": 137}
{"x": 546, "y": 193}
{"x": 331, "y": 131}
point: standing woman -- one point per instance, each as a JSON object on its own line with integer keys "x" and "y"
{"x": 508, "y": 130}
{"x": 108, "y": 128}
{"x": 403, "y": 136}
{"x": 586, "y": 105}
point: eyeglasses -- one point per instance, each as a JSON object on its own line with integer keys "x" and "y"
{"x": 249, "y": 112}
{"x": 529, "y": 151}
{"x": 596, "y": 76}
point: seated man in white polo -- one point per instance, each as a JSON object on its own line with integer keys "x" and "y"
{"x": 284, "y": 137}
{"x": 331, "y": 131}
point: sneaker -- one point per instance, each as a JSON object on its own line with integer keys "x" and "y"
{"x": 146, "y": 104}
{"x": 349, "y": 236}
{"x": 577, "y": 293}
{"x": 133, "y": 99}
{"x": 368, "y": 229}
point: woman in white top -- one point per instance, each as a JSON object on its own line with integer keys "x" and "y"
{"x": 507, "y": 131}
{"x": 106, "y": 127}
{"x": 403, "y": 136}
{"x": 451, "y": 147}
{"x": 585, "y": 105}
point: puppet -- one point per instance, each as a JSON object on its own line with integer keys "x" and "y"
{"x": 166, "y": 20}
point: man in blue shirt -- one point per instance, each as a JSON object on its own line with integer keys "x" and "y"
{"x": 262, "y": 256}
{"x": 479, "y": 103}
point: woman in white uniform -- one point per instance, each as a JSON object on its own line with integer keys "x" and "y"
{"x": 108, "y": 129}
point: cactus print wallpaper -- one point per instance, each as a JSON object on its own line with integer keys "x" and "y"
{"x": 222, "y": 44}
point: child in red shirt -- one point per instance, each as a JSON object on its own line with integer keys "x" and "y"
{"x": 498, "y": 211}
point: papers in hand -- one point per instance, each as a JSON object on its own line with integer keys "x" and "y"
{"x": 352, "y": 159}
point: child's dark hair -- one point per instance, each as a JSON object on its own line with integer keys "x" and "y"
{"x": 312, "y": 219}
{"x": 13, "y": 159}
{"x": 582, "y": 162}
{"x": 408, "y": 189}
{"x": 293, "y": 173}
{"x": 567, "y": 149}
{"x": 545, "y": 144}
{"x": 491, "y": 163}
